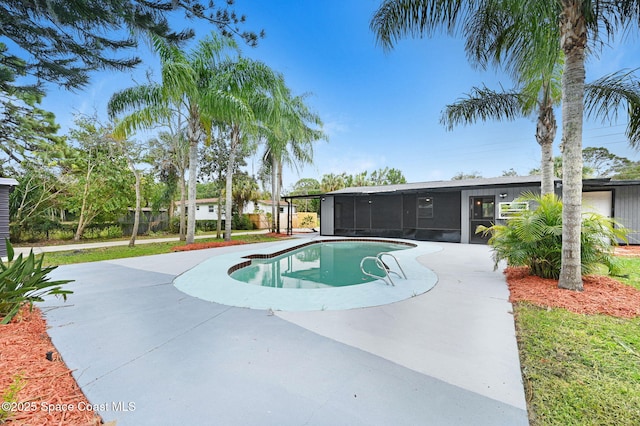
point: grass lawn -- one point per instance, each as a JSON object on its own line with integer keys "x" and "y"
{"x": 81, "y": 255}
{"x": 581, "y": 369}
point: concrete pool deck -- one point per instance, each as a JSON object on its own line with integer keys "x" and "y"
{"x": 149, "y": 354}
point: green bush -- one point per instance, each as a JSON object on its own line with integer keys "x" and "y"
{"x": 241, "y": 222}
{"x": 533, "y": 238}
{"x": 25, "y": 281}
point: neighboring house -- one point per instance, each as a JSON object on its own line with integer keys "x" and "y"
{"x": 5, "y": 187}
{"x": 450, "y": 211}
{"x": 264, "y": 206}
{"x": 207, "y": 208}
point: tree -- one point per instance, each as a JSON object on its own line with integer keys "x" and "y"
{"x": 306, "y": 186}
{"x": 186, "y": 88}
{"x": 250, "y": 86}
{"x": 245, "y": 190}
{"x": 463, "y": 176}
{"x": 602, "y": 162}
{"x": 32, "y": 201}
{"x": 528, "y": 32}
{"x": 290, "y": 132}
{"x": 170, "y": 155}
{"x": 95, "y": 177}
{"x": 332, "y": 182}
{"x": 387, "y": 176}
{"x": 62, "y": 41}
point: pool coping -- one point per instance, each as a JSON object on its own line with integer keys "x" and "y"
{"x": 210, "y": 281}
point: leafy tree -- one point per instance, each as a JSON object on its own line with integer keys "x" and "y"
{"x": 630, "y": 171}
{"x": 306, "y": 186}
{"x": 463, "y": 176}
{"x": 97, "y": 183}
{"x": 245, "y": 190}
{"x": 332, "y": 182}
{"x": 387, "y": 176}
{"x": 169, "y": 153}
{"x": 510, "y": 172}
{"x": 32, "y": 201}
{"x": 602, "y": 162}
{"x": 62, "y": 41}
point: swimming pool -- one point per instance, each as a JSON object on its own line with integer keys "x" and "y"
{"x": 210, "y": 280}
{"x": 319, "y": 265}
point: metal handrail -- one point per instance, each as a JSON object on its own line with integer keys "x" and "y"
{"x": 386, "y": 253}
{"x": 380, "y": 265}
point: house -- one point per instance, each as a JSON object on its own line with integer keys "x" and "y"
{"x": 450, "y": 211}
{"x": 5, "y": 187}
{"x": 207, "y": 208}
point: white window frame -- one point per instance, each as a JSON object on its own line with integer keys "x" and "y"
{"x": 506, "y": 210}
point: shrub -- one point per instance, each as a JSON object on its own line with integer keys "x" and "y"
{"x": 25, "y": 281}
{"x": 241, "y": 222}
{"x": 533, "y": 238}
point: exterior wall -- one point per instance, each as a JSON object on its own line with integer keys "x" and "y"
{"x": 511, "y": 194}
{"x": 326, "y": 215}
{"x": 626, "y": 209}
{"x": 4, "y": 218}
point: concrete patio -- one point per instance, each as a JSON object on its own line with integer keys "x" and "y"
{"x": 149, "y": 354}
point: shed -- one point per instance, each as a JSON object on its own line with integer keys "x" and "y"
{"x": 5, "y": 187}
{"x": 450, "y": 211}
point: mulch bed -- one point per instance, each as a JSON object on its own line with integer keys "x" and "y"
{"x": 50, "y": 394}
{"x": 601, "y": 295}
{"x": 214, "y": 244}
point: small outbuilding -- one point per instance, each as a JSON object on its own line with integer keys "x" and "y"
{"x": 450, "y": 211}
{"x": 5, "y": 187}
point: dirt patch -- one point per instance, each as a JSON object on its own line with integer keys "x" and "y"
{"x": 49, "y": 394}
{"x": 601, "y": 295}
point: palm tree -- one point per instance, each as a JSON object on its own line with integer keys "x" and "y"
{"x": 249, "y": 87}
{"x": 290, "y": 133}
{"x": 518, "y": 32}
{"x": 185, "y": 88}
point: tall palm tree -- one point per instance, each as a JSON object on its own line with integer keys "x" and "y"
{"x": 184, "y": 88}
{"x": 248, "y": 86}
{"x": 290, "y": 132}
{"x": 528, "y": 31}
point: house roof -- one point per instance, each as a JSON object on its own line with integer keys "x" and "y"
{"x": 501, "y": 181}
{"x": 8, "y": 181}
{"x": 443, "y": 184}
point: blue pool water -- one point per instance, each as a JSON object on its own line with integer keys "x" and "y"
{"x": 320, "y": 265}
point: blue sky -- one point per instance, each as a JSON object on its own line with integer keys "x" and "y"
{"x": 380, "y": 109}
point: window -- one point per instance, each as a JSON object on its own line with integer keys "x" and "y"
{"x": 425, "y": 207}
{"x": 211, "y": 209}
{"x": 508, "y": 210}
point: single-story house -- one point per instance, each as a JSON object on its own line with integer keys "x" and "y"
{"x": 5, "y": 187}
{"x": 450, "y": 211}
{"x": 207, "y": 208}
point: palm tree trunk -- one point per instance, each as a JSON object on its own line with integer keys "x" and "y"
{"x": 275, "y": 204}
{"x": 573, "y": 40}
{"x": 183, "y": 210}
{"x": 235, "y": 142}
{"x": 278, "y": 191}
{"x": 545, "y": 134}
{"x": 193, "y": 134}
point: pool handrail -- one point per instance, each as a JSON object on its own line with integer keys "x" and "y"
{"x": 383, "y": 266}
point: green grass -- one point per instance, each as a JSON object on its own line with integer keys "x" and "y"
{"x": 581, "y": 369}
{"x": 81, "y": 255}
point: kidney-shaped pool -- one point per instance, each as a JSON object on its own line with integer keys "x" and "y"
{"x": 323, "y": 274}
